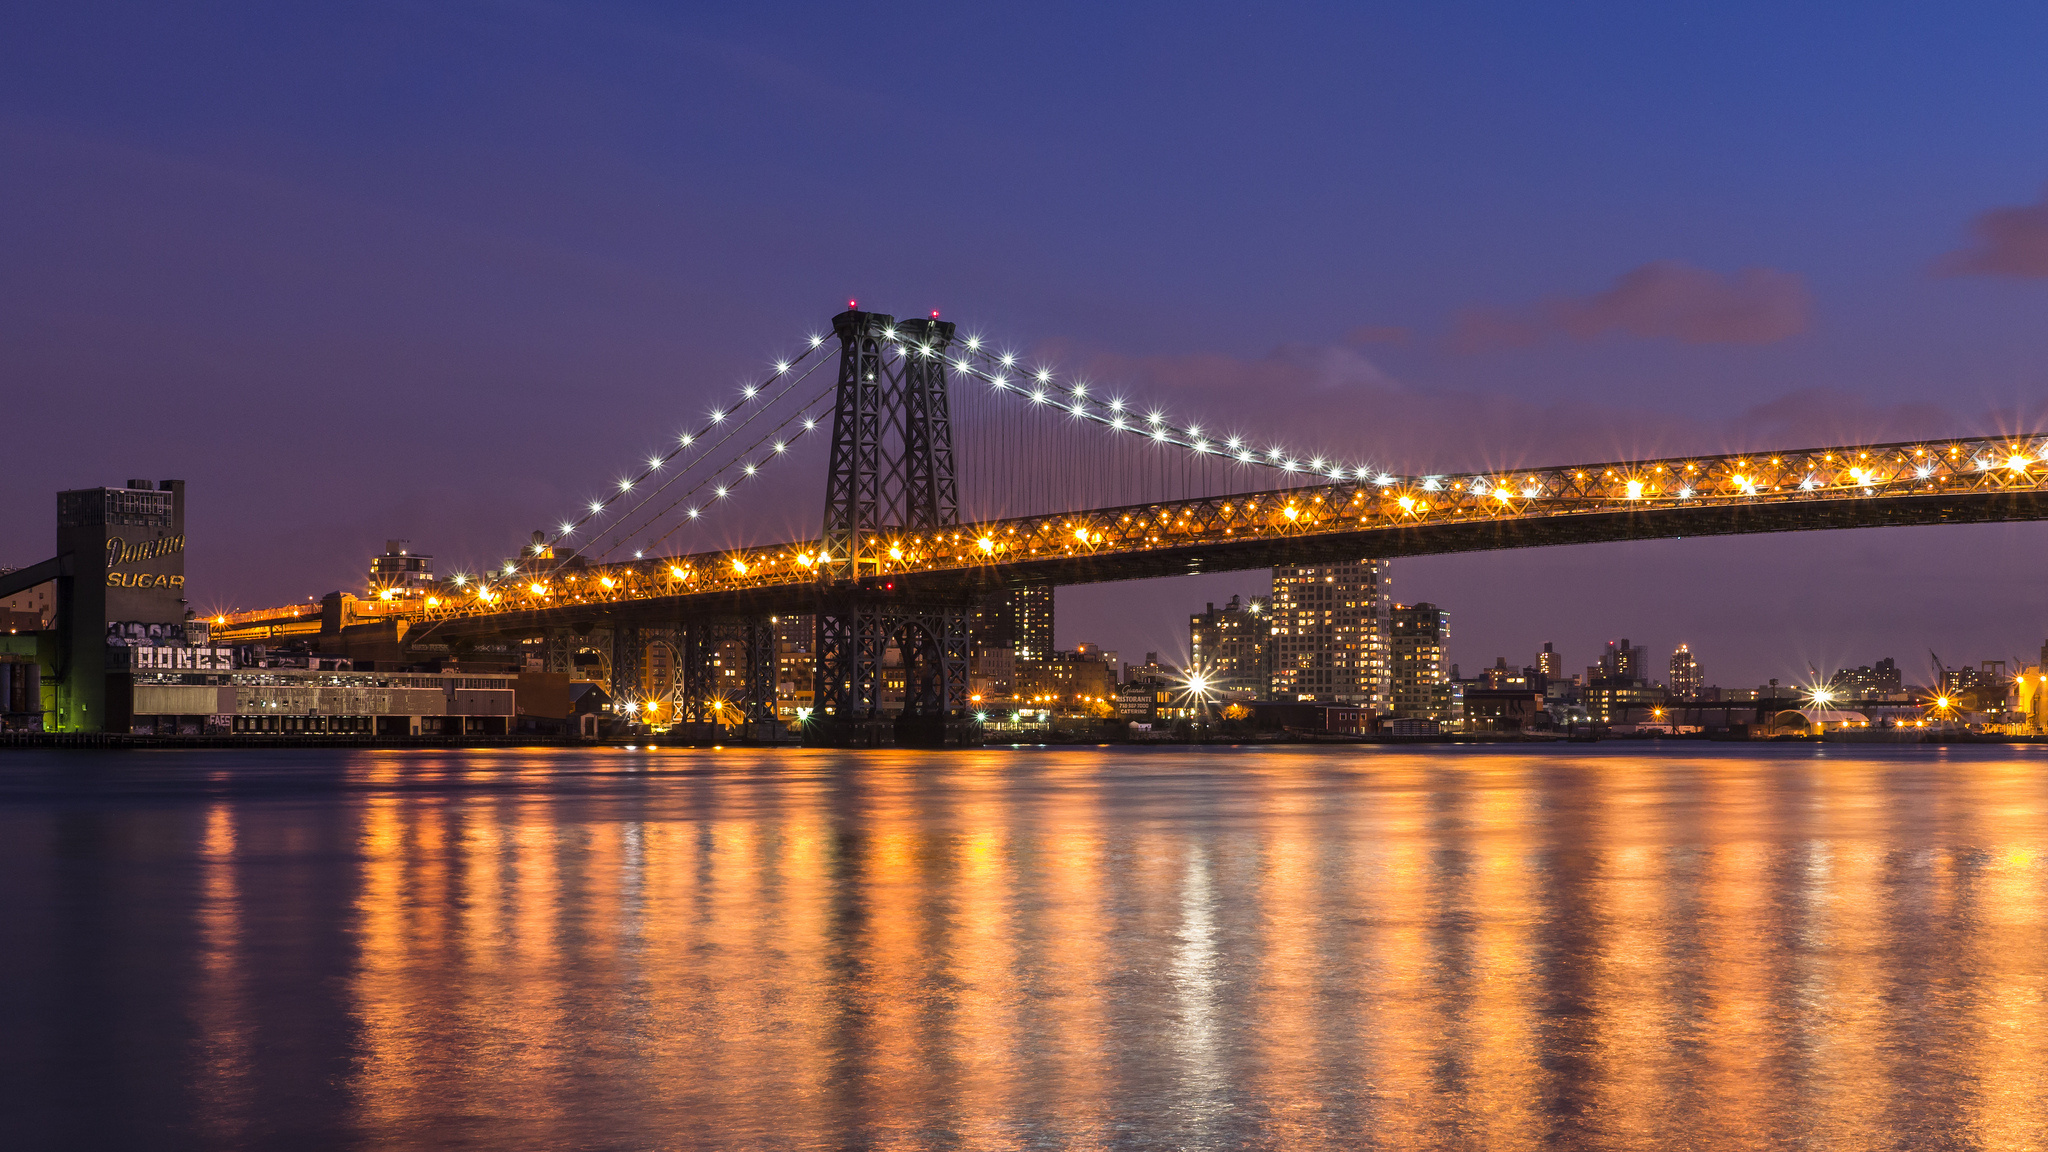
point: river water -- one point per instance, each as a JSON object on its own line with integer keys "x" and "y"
{"x": 1706, "y": 946}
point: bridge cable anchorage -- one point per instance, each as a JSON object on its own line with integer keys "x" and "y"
{"x": 738, "y": 458}
{"x": 748, "y": 394}
{"x": 1041, "y": 385}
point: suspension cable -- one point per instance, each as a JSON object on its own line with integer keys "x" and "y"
{"x": 1040, "y": 387}
{"x": 708, "y": 451}
{"x": 748, "y": 394}
{"x": 749, "y": 470}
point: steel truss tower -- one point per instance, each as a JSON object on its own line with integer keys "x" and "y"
{"x": 891, "y": 470}
{"x": 891, "y": 474}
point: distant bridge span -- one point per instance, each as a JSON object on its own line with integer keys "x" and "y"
{"x": 1920, "y": 483}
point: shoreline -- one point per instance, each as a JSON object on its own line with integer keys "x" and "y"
{"x": 101, "y": 741}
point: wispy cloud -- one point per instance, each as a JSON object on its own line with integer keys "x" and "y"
{"x": 1662, "y": 300}
{"x": 1333, "y": 400}
{"x": 2011, "y": 241}
{"x": 1367, "y": 334}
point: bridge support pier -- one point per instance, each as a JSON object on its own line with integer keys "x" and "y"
{"x": 628, "y": 661}
{"x": 708, "y": 701}
{"x": 934, "y": 645}
{"x": 760, "y": 694}
{"x": 855, "y": 629}
{"x": 554, "y": 652}
{"x": 696, "y": 672}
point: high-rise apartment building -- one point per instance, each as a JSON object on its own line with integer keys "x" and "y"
{"x": 991, "y": 674}
{"x": 1153, "y": 674}
{"x": 1624, "y": 662}
{"x": 1230, "y": 645}
{"x": 1419, "y": 635}
{"x": 400, "y": 571}
{"x": 1869, "y": 681}
{"x": 1550, "y": 663}
{"x": 1019, "y": 619}
{"x": 1068, "y": 679}
{"x": 1981, "y": 689}
{"x": 1329, "y": 633}
{"x": 1501, "y": 678}
{"x": 1109, "y": 656}
{"x": 796, "y": 665}
{"x": 1685, "y": 674}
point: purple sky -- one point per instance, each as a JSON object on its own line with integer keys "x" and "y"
{"x": 440, "y": 271}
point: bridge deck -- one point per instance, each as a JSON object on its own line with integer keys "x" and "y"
{"x": 1958, "y": 481}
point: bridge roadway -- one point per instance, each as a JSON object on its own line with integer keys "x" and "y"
{"x": 1933, "y": 482}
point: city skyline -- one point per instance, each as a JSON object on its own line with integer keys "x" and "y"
{"x": 443, "y": 294}
{"x": 1471, "y": 653}
{"x": 711, "y": 576}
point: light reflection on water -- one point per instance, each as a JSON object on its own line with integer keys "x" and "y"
{"x": 1596, "y": 948}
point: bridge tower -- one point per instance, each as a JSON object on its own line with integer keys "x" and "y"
{"x": 891, "y": 475}
{"x": 892, "y": 440}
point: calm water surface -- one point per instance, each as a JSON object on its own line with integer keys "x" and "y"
{"x": 1293, "y": 948}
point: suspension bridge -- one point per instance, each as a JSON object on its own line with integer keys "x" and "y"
{"x": 918, "y": 417}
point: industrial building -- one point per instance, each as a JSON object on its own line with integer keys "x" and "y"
{"x": 123, "y": 653}
{"x": 195, "y": 691}
{"x": 119, "y": 570}
{"x": 1230, "y": 645}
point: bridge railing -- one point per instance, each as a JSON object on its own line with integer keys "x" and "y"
{"x": 1385, "y": 501}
